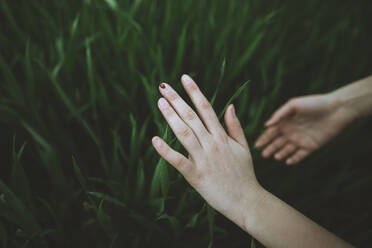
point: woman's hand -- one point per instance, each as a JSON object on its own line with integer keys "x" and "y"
{"x": 219, "y": 165}
{"x": 220, "y": 168}
{"x": 303, "y": 125}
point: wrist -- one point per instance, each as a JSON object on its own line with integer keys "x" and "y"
{"x": 252, "y": 202}
{"x": 356, "y": 98}
{"x": 342, "y": 106}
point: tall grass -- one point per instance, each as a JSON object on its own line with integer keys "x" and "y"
{"x": 78, "y": 96}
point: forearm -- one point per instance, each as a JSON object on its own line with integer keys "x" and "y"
{"x": 356, "y": 98}
{"x": 275, "y": 224}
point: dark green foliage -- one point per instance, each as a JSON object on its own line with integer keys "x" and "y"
{"x": 78, "y": 90}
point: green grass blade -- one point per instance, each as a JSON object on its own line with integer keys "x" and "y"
{"x": 112, "y": 4}
{"x": 105, "y": 221}
{"x": 79, "y": 174}
{"x": 211, "y": 213}
{"x": 233, "y": 97}
{"x": 253, "y": 244}
{"x": 107, "y": 198}
{"x": 19, "y": 180}
{"x": 181, "y": 47}
{"x": 74, "y": 111}
{"x": 222, "y": 73}
{"x": 160, "y": 180}
{"x": 13, "y": 87}
{"x": 140, "y": 180}
{"x": 14, "y": 210}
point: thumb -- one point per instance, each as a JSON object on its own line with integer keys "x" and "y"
{"x": 281, "y": 113}
{"x": 234, "y": 128}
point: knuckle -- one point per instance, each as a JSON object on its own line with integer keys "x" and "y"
{"x": 172, "y": 96}
{"x": 198, "y": 176}
{"x": 214, "y": 149}
{"x": 221, "y": 137}
{"x": 165, "y": 151}
{"x": 167, "y": 111}
{"x": 179, "y": 163}
{"x": 183, "y": 166}
{"x": 189, "y": 115}
{"x": 185, "y": 133}
{"x": 205, "y": 105}
{"x": 193, "y": 86}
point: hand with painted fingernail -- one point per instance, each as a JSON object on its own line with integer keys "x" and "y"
{"x": 219, "y": 165}
{"x": 220, "y": 168}
{"x": 301, "y": 126}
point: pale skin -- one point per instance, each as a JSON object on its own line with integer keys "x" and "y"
{"x": 304, "y": 124}
{"x": 220, "y": 168}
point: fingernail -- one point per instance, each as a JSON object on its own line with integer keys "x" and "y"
{"x": 257, "y": 144}
{"x": 233, "y": 111}
{"x": 156, "y": 141}
{"x": 186, "y": 78}
{"x": 162, "y": 85}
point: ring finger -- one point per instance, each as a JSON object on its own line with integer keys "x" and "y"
{"x": 183, "y": 132}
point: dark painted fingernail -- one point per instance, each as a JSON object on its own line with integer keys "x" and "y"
{"x": 162, "y": 86}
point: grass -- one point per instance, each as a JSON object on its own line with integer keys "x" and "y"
{"x": 78, "y": 109}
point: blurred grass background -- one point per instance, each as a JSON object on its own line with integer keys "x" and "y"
{"x": 78, "y": 90}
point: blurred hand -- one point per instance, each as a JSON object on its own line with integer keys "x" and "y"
{"x": 301, "y": 126}
{"x": 219, "y": 165}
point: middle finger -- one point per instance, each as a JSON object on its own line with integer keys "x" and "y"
{"x": 187, "y": 114}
